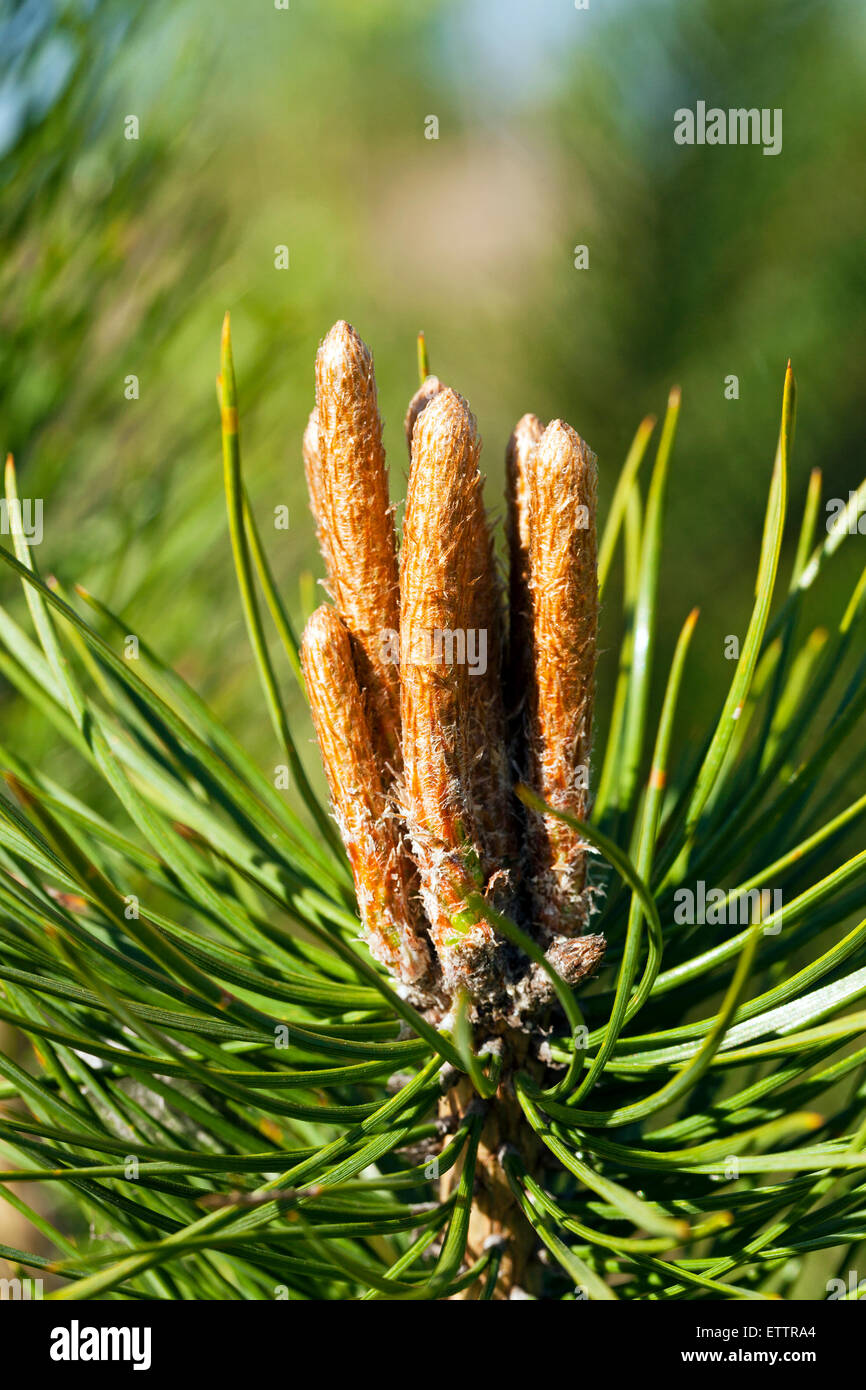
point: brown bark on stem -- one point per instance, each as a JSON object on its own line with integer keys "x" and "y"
{"x": 496, "y": 1213}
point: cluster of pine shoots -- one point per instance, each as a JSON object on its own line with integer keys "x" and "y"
{"x": 455, "y": 735}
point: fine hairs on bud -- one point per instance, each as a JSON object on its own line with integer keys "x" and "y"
{"x": 430, "y": 387}
{"x": 524, "y": 438}
{"x": 313, "y": 472}
{"x": 563, "y": 591}
{"x": 345, "y": 465}
{"x": 490, "y": 774}
{"x": 445, "y": 588}
{"x": 489, "y": 770}
{"x": 370, "y": 830}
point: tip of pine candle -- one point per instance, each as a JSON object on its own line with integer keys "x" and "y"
{"x": 339, "y": 337}
{"x": 558, "y": 432}
{"x": 445, "y": 430}
{"x": 323, "y": 629}
{"x": 446, "y": 403}
{"x": 524, "y": 438}
{"x": 561, "y": 448}
{"x": 343, "y": 352}
{"x": 430, "y": 387}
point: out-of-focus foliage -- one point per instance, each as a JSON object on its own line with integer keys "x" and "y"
{"x": 102, "y": 253}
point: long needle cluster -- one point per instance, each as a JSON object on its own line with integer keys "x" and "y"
{"x": 427, "y": 715}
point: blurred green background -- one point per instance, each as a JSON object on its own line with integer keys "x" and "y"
{"x": 305, "y": 127}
